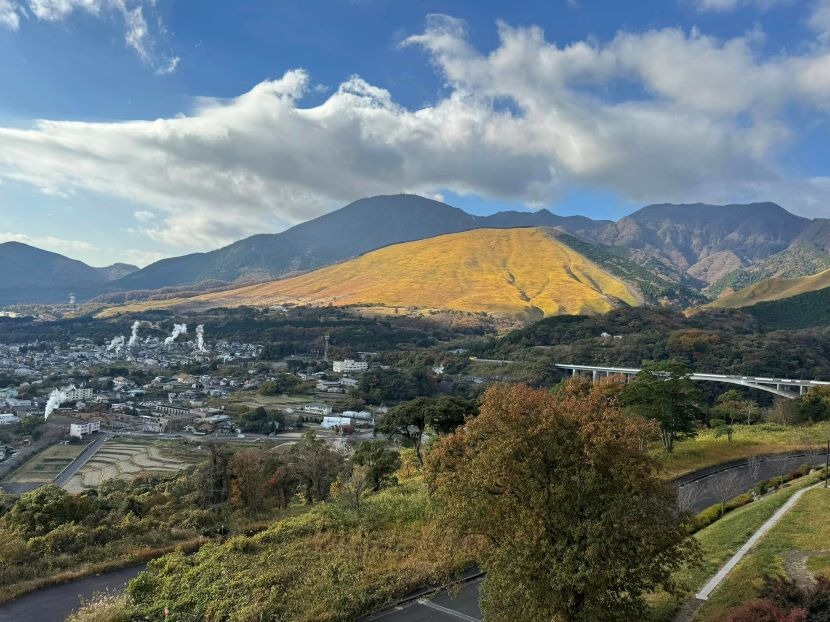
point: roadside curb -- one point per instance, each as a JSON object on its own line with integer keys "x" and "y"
{"x": 466, "y": 578}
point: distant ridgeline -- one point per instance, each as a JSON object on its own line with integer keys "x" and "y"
{"x": 676, "y": 255}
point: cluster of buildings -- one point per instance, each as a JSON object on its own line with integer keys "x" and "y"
{"x": 171, "y": 402}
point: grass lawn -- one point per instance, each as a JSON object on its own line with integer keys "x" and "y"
{"x": 721, "y": 540}
{"x": 45, "y": 465}
{"x": 804, "y": 528}
{"x": 765, "y": 438}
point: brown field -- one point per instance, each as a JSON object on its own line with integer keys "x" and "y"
{"x": 520, "y": 273}
{"x": 122, "y": 459}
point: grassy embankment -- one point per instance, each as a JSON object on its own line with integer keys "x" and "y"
{"x": 722, "y": 539}
{"x": 332, "y": 562}
{"x": 707, "y": 450}
{"x": 804, "y": 528}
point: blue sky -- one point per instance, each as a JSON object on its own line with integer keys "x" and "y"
{"x": 132, "y": 130}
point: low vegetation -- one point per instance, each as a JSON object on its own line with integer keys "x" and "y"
{"x": 522, "y": 273}
{"x": 718, "y": 542}
{"x": 804, "y": 531}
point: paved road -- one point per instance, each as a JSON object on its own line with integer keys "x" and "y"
{"x": 699, "y": 487}
{"x": 82, "y": 458}
{"x": 54, "y": 604}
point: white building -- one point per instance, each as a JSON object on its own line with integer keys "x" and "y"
{"x": 349, "y": 365}
{"x": 353, "y": 414}
{"x": 79, "y": 429}
{"x": 8, "y": 419}
{"x": 334, "y": 422}
{"x": 74, "y": 394}
{"x": 317, "y": 409}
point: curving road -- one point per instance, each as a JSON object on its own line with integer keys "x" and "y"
{"x": 54, "y": 604}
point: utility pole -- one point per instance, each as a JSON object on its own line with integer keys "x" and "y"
{"x": 326, "y": 351}
{"x": 826, "y": 463}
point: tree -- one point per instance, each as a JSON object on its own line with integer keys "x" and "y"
{"x": 250, "y": 470}
{"x": 215, "y": 477}
{"x": 725, "y": 486}
{"x": 576, "y": 521}
{"x": 38, "y": 512}
{"x": 409, "y": 419}
{"x": 665, "y": 393}
{"x": 448, "y": 412}
{"x": 814, "y": 406}
{"x": 753, "y": 464}
{"x": 352, "y": 485}
{"x": 261, "y": 421}
{"x": 380, "y": 461}
{"x": 733, "y": 405}
{"x": 722, "y": 428}
{"x": 316, "y": 466}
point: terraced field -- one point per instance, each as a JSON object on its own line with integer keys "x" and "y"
{"x": 121, "y": 459}
{"x": 44, "y": 466}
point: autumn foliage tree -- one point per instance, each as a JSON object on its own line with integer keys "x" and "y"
{"x": 578, "y": 523}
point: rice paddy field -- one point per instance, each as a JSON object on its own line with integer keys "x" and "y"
{"x": 45, "y": 465}
{"x": 121, "y": 458}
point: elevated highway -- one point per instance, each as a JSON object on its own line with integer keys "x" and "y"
{"x": 784, "y": 387}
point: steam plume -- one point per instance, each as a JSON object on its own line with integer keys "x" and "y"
{"x": 178, "y": 329}
{"x": 116, "y": 344}
{"x": 56, "y": 398}
{"x": 133, "y": 334}
{"x": 200, "y": 338}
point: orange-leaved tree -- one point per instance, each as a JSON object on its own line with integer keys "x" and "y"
{"x": 577, "y": 520}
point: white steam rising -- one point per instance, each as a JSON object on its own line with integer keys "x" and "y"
{"x": 133, "y": 334}
{"x": 178, "y": 329}
{"x": 56, "y": 398}
{"x": 116, "y": 344}
{"x": 200, "y": 338}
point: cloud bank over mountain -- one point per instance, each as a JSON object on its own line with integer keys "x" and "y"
{"x": 663, "y": 114}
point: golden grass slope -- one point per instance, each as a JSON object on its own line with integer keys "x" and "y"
{"x": 774, "y": 288}
{"x": 507, "y": 272}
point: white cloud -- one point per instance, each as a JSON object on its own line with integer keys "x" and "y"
{"x": 731, "y": 5}
{"x": 819, "y": 19}
{"x": 658, "y": 115}
{"x": 91, "y": 254}
{"x": 137, "y": 34}
{"x": 56, "y": 245}
{"x": 144, "y": 216}
{"x": 169, "y": 66}
{"x": 9, "y": 15}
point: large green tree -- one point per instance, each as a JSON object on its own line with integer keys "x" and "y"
{"x": 316, "y": 466}
{"x": 409, "y": 419}
{"x": 577, "y": 523}
{"x": 380, "y": 461}
{"x": 665, "y": 393}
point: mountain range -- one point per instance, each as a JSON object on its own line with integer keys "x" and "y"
{"x": 671, "y": 253}
{"x": 362, "y": 226}
{"x": 29, "y": 274}
{"x": 521, "y": 273}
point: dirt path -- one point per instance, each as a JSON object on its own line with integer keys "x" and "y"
{"x": 795, "y": 565}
